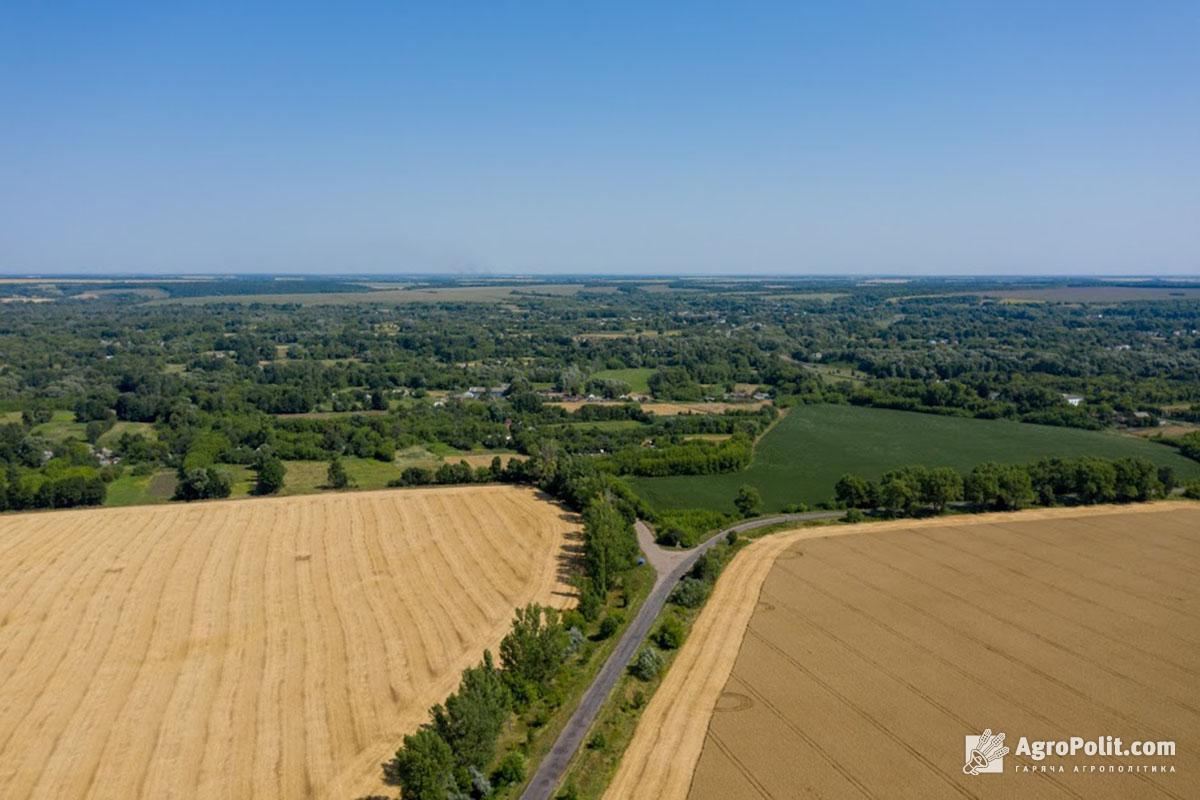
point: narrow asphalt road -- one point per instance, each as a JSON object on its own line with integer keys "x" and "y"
{"x": 670, "y": 566}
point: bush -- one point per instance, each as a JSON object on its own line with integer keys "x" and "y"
{"x": 669, "y": 634}
{"x": 854, "y": 515}
{"x": 647, "y": 665}
{"x": 690, "y": 593}
{"x": 510, "y": 770}
{"x": 670, "y": 537}
{"x": 685, "y": 527}
{"x": 610, "y": 624}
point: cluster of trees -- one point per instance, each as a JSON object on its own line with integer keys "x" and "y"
{"x": 1009, "y": 486}
{"x": 452, "y": 755}
{"x": 694, "y": 457}
{"x": 517, "y": 470}
{"x": 35, "y": 473}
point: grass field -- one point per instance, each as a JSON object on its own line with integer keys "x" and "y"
{"x": 62, "y": 426}
{"x": 302, "y": 477}
{"x": 277, "y": 648}
{"x": 119, "y": 429}
{"x": 802, "y": 457}
{"x": 852, "y": 661}
{"x": 636, "y": 378}
{"x": 136, "y": 490}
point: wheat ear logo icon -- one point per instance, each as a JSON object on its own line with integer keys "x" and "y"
{"x": 987, "y": 749}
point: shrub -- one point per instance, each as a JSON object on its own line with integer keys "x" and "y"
{"x": 647, "y": 665}
{"x": 610, "y": 624}
{"x": 690, "y": 593}
{"x": 510, "y": 770}
{"x": 669, "y": 634}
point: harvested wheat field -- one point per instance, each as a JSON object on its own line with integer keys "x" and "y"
{"x": 853, "y": 661}
{"x": 270, "y": 648}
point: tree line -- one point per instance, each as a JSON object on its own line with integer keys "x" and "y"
{"x": 1046, "y": 482}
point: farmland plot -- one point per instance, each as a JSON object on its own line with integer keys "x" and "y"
{"x": 275, "y": 648}
{"x": 852, "y": 662}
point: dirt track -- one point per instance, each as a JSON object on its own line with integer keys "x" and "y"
{"x": 251, "y": 649}
{"x": 851, "y": 662}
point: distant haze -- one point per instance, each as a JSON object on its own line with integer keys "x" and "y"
{"x": 840, "y": 137}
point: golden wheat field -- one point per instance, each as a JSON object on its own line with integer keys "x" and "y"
{"x": 853, "y": 661}
{"x": 268, "y": 648}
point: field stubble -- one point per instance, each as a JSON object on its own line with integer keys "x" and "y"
{"x": 266, "y": 648}
{"x": 852, "y": 661}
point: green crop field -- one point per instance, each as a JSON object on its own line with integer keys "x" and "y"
{"x": 636, "y": 378}
{"x": 802, "y": 457}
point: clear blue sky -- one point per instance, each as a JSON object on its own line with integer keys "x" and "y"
{"x": 942, "y": 137}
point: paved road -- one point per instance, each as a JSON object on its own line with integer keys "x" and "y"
{"x": 670, "y": 566}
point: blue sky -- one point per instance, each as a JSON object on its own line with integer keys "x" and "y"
{"x": 805, "y": 137}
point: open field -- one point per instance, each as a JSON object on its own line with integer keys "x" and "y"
{"x": 1095, "y": 294}
{"x": 276, "y": 648}
{"x": 62, "y": 426}
{"x": 852, "y": 661}
{"x": 1172, "y": 429}
{"x": 394, "y": 296}
{"x": 302, "y": 477}
{"x": 801, "y": 458}
{"x": 666, "y": 409}
{"x": 636, "y": 378}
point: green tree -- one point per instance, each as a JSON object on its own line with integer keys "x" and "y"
{"x": 854, "y": 491}
{"x": 534, "y": 648}
{"x": 202, "y": 484}
{"x": 471, "y": 719}
{"x": 748, "y": 501}
{"x": 1095, "y": 480}
{"x": 423, "y": 767}
{"x": 1136, "y": 479}
{"x": 609, "y": 544}
{"x": 900, "y": 490}
{"x": 982, "y": 484}
{"x": 270, "y": 474}
{"x": 335, "y": 476}
{"x": 941, "y": 486}
{"x": 1014, "y": 490}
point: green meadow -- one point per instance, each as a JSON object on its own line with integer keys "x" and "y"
{"x": 637, "y": 378}
{"x": 801, "y": 458}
